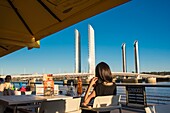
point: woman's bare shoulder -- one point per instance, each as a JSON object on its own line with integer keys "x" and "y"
{"x": 108, "y": 83}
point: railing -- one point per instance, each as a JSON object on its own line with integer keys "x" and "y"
{"x": 155, "y": 93}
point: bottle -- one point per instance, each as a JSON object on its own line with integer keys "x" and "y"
{"x": 79, "y": 87}
{"x": 71, "y": 91}
{"x": 71, "y": 84}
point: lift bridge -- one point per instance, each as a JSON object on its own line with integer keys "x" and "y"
{"x": 62, "y": 76}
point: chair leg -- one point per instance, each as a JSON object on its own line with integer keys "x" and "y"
{"x": 120, "y": 110}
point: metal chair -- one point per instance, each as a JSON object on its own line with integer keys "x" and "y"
{"x": 39, "y": 88}
{"x": 149, "y": 110}
{"x": 158, "y": 108}
{"x": 58, "y": 106}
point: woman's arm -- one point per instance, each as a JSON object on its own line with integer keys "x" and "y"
{"x": 93, "y": 94}
{"x": 88, "y": 97}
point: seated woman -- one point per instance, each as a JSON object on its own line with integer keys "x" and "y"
{"x": 1, "y": 86}
{"x": 8, "y": 87}
{"x": 7, "y": 82}
{"x": 102, "y": 84}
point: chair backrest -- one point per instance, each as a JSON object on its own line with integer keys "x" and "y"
{"x": 28, "y": 92}
{"x": 39, "y": 88}
{"x": 56, "y": 106}
{"x": 101, "y": 101}
{"x": 17, "y": 92}
{"x": 72, "y": 105}
{"x": 56, "y": 89}
{"x": 61, "y": 106}
{"x": 150, "y": 109}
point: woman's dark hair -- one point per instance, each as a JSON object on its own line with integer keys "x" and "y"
{"x": 1, "y": 80}
{"x": 103, "y": 73}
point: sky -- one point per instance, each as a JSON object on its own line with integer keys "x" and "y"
{"x": 147, "y": 21}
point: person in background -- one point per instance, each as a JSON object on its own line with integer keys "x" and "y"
{"x": 22, "y": 88}
{"x": 102, "y": 84}
{"x": 79, "y": 86}
{"x": 7, "y": 83}
{"x": 1, "y": 80}
{"x": 32, "y": 83}
{"x": 8, "y": 87}
{"x": 2, "y": 107}
{"x": 28, "y": 88}
{"x": 1, "y": 86}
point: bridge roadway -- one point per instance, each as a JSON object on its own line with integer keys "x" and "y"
{"x": 74, "y": 75}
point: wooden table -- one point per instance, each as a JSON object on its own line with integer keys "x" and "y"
{"x": 16, "y": 101}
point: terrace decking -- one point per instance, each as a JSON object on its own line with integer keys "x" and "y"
{"x": 129, "y": 110}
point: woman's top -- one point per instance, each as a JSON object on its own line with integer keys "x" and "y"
{"x": 22, "y": 89}
{"x": 103, "y": 90}
{"x": 8, "y": 85}
{"x": 8, "y": 89}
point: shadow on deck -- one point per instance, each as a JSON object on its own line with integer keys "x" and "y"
{"x": 131, "y": 108}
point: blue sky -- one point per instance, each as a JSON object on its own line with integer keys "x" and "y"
{"x": 147, "y": 21}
